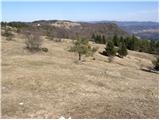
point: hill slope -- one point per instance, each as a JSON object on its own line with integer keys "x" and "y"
{"x": 70, "y": 29}
{"x": 53, "y": 84}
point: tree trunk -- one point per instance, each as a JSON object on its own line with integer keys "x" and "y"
{"x": 79, "y": 56}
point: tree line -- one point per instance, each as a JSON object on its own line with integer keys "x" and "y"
{"x": 131, "y": 43}
{"x": 14, "y": 24}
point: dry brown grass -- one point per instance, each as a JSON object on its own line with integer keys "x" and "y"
{"x": 52, "y": 84}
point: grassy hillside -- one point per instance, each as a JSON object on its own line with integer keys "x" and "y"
{"x": 54, "y": 84}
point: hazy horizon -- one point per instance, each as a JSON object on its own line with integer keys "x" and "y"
{"x": 80, "y": 11}
{"x": 78, "y": 21}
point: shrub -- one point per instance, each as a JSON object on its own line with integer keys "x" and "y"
{"x": 45, "y": 49}
{"x": 18, "y": 30}
{"x": 49, "y": 34}
{"x": 93, "y": 50}
{"x": 9, "y": 38}
{"x": 58, "y": 40}
{"x": 3, "y": 24}
{"x": 156, "y": 64}
{"x": 33, "y": 41}
{"x": 8, "y": 34}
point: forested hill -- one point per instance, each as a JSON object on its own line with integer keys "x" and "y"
{"x": 69, "y": 29}
{"x": 144, "y": 30}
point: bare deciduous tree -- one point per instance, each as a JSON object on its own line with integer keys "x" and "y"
{"x": 33, "y": 41}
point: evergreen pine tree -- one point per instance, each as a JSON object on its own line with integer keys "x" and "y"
{"x": 122, "y": 49}
{"x": 93, "y": 37}
{"x": 110, "y": 50}
{"x": 121, "y": 39}
{"x": 81, "y": 47}
{"x": 115, "y": 40}
{"x": 103, "y": 40}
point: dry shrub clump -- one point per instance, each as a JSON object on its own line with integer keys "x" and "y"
{"x": 33, "y": 41}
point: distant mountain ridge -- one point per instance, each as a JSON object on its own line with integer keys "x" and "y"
{"x": 70, "y": 29}
{"x": 144, "y": 30}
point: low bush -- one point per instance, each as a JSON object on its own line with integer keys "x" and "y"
{"x": 44, "y": 49}
{"x": 8, "y": 34}
{"x": 156, "y": 64}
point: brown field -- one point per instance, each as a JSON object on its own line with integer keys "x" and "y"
{"x": 54, "y": 84}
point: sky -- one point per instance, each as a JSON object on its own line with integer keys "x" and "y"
{"x": 79, "y": 11}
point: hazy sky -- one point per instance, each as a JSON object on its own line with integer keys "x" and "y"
{"x": 80, "y": 11}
